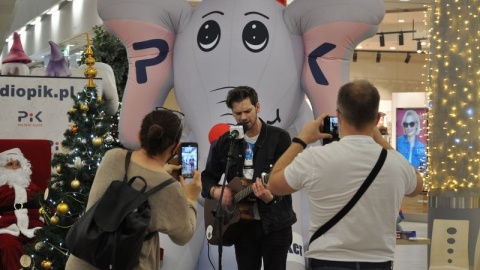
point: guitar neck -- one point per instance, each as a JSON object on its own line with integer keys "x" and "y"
{"x": 242, "y": 194}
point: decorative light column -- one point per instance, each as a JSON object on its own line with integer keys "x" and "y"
{"x": 454, "y": 115}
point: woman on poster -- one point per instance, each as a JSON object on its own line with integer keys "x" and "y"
{"x": 409, "y": 144}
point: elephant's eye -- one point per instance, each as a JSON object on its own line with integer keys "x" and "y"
{"x": 208, "y": 36}
{"x": 255, "y": 36}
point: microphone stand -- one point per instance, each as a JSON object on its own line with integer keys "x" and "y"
{"x": 219, "y": 213}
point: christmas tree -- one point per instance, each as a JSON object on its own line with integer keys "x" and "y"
{"x": 90, "y": 134}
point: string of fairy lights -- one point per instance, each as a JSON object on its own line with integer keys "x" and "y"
{"x": 454, "y": 79}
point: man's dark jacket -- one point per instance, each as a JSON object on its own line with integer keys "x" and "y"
{"x": 271, "y": 143}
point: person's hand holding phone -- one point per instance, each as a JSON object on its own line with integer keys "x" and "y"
{"x": 313, "y": 130}
{"x": 193, "y": 188}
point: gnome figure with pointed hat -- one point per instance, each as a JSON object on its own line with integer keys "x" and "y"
{"x": 15, "y": 63}
{"x": 19, "y": 214}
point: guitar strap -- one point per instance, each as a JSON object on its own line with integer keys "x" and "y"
{"x": 329, "y": 224}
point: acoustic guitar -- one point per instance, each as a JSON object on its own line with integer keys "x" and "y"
{"x": 234, "y": 218}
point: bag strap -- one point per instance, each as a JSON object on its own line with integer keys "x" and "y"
{"x": 329, "y": 224}
{"x": 127, "y": 163}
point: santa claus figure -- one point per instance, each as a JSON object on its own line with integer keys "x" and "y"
{"x": 19, "y": 216}
{"x": 15, "y": 63}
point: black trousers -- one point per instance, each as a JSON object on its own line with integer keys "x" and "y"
{"x": 253, "y": 245}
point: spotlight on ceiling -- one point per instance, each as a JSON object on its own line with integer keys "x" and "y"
{"x": 419, "y": 46}
{"x": 355, "y": 56}
{"x": 400, "y": 39}
{"x": 379, "y": 57}
{"x": 382, "y": 40}
{"x": 407, "y": 59}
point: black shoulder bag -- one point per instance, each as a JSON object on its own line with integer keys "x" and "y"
{"x": 329, "y": 224}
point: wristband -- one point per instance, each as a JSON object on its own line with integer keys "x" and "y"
{"x": 299, "y": 141}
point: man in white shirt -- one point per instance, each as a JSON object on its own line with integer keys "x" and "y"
{"x": 332, "y": 174}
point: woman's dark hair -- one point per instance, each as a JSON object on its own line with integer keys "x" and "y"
{"x": 160, "y": 129}
{"x": 239, "y": 93}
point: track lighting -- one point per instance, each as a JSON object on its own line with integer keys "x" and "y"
{"x": 400, "y": 39}
{"x": 382, "y": 40}
{"x": 419, "y": 46}
{"x": 379, "y": 57}
{"x": 407, "y": 59}
{"x": 355, "y": 56}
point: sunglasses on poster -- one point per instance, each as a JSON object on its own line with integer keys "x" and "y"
{"x": 411, "y": 124}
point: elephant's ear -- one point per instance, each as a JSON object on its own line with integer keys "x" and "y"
{"x": 283, "y": 2}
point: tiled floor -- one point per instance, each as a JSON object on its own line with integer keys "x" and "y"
{"x": 412, "y": 257}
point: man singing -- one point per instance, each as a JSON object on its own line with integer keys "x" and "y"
{"x": 269, "y": 234}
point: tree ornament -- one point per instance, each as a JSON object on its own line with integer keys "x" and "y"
{"x": 54, "y": 220}
{"x": 73, "y": 128}
{"x": 99, "y": 99}
{"x": 84, "y": 108}
{"x": 42, "y": 211}
{"x": 78, "y": 163}
{"x": 109, "y": 139}
{"x": 58, "y": 169}
{"x": 72, "y": 110}
{"x": 62, "y": 208}
{"x": 97, "y": 141}
{"x": 75, "y": 184}
{"x": 39, "y": 246}
{"x": 25, "y": 261}
{"x": 46, "y": 264}
{"x": 45, "y": 195}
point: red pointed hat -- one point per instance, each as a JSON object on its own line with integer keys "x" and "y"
{"x": 16, "y": 53}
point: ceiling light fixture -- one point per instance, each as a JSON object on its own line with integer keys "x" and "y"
{"x": 382, "y": 40}
{"x": 378, "y": 58}
{"x": 400, "y": 38}
{"x": 355, "y": 56}
{"x": 407, "y": 59}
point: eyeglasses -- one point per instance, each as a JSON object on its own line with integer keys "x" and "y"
{"x": 411, "y": 124}
{"x": 180, "y": 115}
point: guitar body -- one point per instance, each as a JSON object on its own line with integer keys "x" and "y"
{"x": 234, "y": 218}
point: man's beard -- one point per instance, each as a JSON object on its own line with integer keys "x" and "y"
{"x": 19, "y": 177}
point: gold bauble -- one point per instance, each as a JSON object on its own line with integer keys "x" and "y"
{"x": 39, "y": 246}
{"x": 42, "y": 211}
{"x": 75, "y": 184}
{"x": 62, "y": 208}
{"x": 99, "y": 99}
{"x": 97, "y": 141}
{"x": 72, "y": 110}
{"x": 46, "y": 264}
{"x": 25, "y": 261}
{"x": 54, "y": 220}
{"x": 90, "y": 60}
{"x": 58, "y": 169}
{"x": 84, "y": 107}
{"x": 90, "y": 72}
{"x": 74, "y": 128}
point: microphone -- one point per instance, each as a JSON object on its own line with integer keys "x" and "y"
{"x": 236, "y": 132}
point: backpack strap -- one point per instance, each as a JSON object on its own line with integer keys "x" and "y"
{"x": 127, "y": 163}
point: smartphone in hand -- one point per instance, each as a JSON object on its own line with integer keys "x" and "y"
{"x": 188, "y": 158}
{"x": 330, "y": 125}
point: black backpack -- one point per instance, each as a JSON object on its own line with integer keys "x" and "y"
{"x": 110, "y": 234}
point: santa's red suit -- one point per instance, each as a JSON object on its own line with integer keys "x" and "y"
{"x": 19, "y": 216}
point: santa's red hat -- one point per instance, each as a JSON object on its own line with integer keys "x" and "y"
{"x": 16, "y": 53}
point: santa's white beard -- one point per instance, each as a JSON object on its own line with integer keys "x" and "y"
{"x": 19, "y": 177}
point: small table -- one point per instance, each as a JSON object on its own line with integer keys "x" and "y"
{"x": 413, "y": 241}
